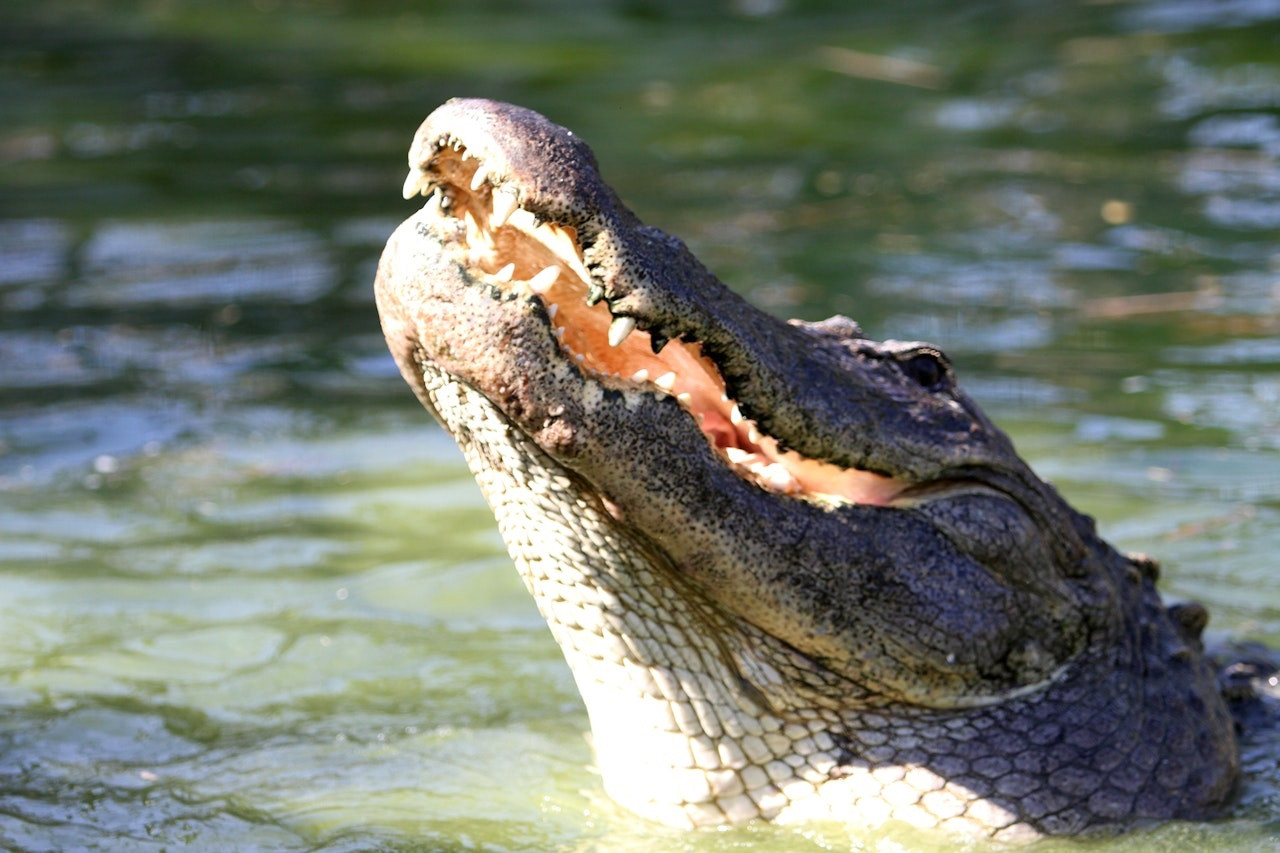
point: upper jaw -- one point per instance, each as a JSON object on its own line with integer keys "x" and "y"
{"x": 533, "y": 217}
{"x": 544, "y": 168}
{"x": 485, "y": 217}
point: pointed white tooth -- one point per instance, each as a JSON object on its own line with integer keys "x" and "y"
{"x": 504, "y": 204}
{"x": 542, "y": 282}
{"x": 552, "y": 310}
{"x": 776, "y": 475}
{"x": 685, "y": 399}
{"x": 666, "y": 381}
{"x": 559, "y": 333}
{"x": 735, "y": 416}
{"x": 522, "y": 219}
{"x": 479, "y": 178}
{"x": 433, "y": 204}
{"x": 472, "y": 227}
{"x": 753, "y": 435}
{"x": 578, "y": 357}
{"x": 415, "y": 183}
{"x": 702, "y": 418}
{"x": 736, "y": 455}
{"x": 619, "y": 329}
{"x": 640, "y": 376}
{"x": 506, "y": 272}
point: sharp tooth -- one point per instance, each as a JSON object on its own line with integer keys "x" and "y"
{"x": 434, "y": 203}
{"x": 735, "y": 415}
{"x": 594, "y": 294}
{"x": 578, "y": 357}
{"x": 479, "y": 178}
{"x": 472, "y": 227}
{"x": 666, "y": 381}
{"x": 736, "y": 455}
{"x": 640, "y": 376}
{"x": 753, "y": 435}
{"x": 776, "y": 475}
{"x": 504, "y": 204}
{"x": 522, "y": 219}
{"x": 415, "y": 183}
{"x": 559, "y": 333}
{"x": 506, "y": 272}
{"x": 686, "y": 398}
{"x": 552, "y": 310}
{"x": 542, "y": 282}
{"x": 619, "y": 329}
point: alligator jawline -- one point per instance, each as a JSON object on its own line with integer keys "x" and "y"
{"x": 509, "y": 248}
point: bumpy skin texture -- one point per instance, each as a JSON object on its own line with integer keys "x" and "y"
{"x": 968, "y": 655}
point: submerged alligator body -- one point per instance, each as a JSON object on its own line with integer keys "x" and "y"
{"x": 796, "y": 573}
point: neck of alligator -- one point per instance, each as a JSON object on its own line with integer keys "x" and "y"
{"x": 796, "y": 573}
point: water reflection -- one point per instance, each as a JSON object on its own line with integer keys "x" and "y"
{"x": 1195, "y": 15}
{"x": 1192, "y": 90}
{"x": 133, "y": 264}
{"x": 32, "y": 252}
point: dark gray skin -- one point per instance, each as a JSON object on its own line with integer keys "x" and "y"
{"x": 977, "y": 595}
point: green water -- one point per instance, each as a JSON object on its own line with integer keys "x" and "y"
{"x": 249, "y": 597}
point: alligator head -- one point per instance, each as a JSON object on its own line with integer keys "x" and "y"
{"x": 794, "y": 571}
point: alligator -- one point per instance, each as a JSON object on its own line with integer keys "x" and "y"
{"x": 796, "y": 573}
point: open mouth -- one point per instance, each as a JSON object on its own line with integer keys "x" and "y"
{"x": 510, "y": 248}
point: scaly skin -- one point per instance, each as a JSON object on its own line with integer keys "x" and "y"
{"x": 941, "y": 640}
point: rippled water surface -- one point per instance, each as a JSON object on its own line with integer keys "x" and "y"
{"x": 249, "y": 596}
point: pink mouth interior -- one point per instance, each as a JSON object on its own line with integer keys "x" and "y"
{"x": 514, "y": 251}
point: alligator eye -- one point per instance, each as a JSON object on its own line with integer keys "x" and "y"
{"x": 927, "y": 367}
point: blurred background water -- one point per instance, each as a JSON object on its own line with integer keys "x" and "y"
{"x": 249, "y": 596}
